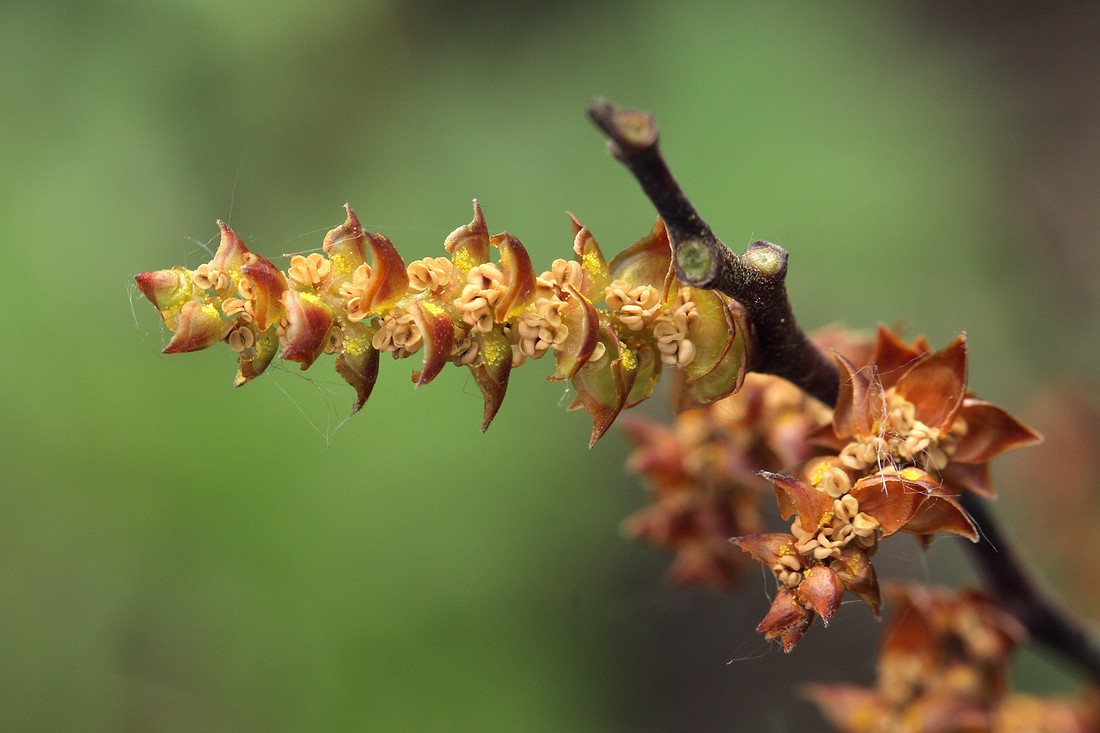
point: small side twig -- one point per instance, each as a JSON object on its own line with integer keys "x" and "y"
{"x": 1009, "y": 582}
{"x": 756, "y": 279}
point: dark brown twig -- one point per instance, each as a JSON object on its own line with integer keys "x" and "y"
{"x": 756, "y": 279}
{"x": 1009, "y": 582}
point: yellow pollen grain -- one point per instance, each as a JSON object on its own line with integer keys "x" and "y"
{"x": 431, "y": 307}
{"x": 356, "y": 345}
{"x": 183, "y": 290}
{"x": 826, "y": 520}
{"x": 590, "y": 262}
{"x": 210, "y": 311}
{"x": 629, "y": 359}
{"x": 463, "y": 261}
{"x": 310, "y": 297}
{"x": 342, "y": 264}
{"x": 910, "y": 474}
{"x": 494, "y": 352}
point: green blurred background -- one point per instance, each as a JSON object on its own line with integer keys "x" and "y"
{"x": 178, "y": 555}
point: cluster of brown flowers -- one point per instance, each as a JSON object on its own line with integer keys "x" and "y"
{"x": 904, "y": 439}
{"x": 943, "y": 668}
{"x": 612, "y": 326}
{"x": 703, "y": 472}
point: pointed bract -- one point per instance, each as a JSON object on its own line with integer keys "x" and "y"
{"x": 308, "y": 323}
{"x": 267, "y": 288}
{"x": 938, "y": 514}
{"x": 786, "y": 620}
{"x": 200, "y": 326}
{"x": 892, "y": 499}
{"x": 591, "y": 259}
{"x": 231, "y": 251}
{"x": 469, "y": 244}
{"x": 167, "y": 290}
{"x": 357, "y": 363}
{"x": 821, "y": 590}
{"x": 767, "y": 548}
{"x": 388, "y": 278}
{"x": 856, "y": 572}
{"x": 797, "y": 497}
{"x": 990, "y": 431}
{"x": 519, "y": 276}
{"x": 600, "y": 384}
{"x": 346, "y": 245}
{"x": 491, "y": 371}
{"x": 892, "y": 356}
{"x": 647, "y": 262}
{"x": 860, "y": 404}
{"x": 254, "y": 360}
{"x": 438, "y": 334}
{"x": 583, "y": 324}
{"x": 936, "y": 385}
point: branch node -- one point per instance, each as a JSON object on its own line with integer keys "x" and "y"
{"x": 754, "y": 279}
{"x": 630, "y": 129}
{"x": 770, "y": 260}
{"x": 695, "y": 262}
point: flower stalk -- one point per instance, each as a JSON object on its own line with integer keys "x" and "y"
{"x": 1008, "y": 580}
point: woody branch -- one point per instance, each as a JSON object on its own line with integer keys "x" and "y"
{"x": 756, "y": 279}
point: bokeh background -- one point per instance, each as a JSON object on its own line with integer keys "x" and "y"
{"x": 179, "y": 555}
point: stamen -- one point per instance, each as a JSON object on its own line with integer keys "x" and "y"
{"x": 208, "y": 277}
{"x": 397, "y": 333}
{"x": 637, "y": 305}
{"x": 671, "y": 329}
{"x": 561, "y": 273}
{"x": 309, "y": 271}
{"x": 484, "y": 286}
{"x": 433, "y": 274}
{"x": 355, "y": 290}
{"x": 540, "y": 327}
{"x": 465, "y": 349}
{"x": 241, "y": 338}
{"x": 335, "y": 340}
{"x": 237, "y": 307}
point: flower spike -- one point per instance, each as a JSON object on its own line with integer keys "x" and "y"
{"x": 611, "y": 326}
